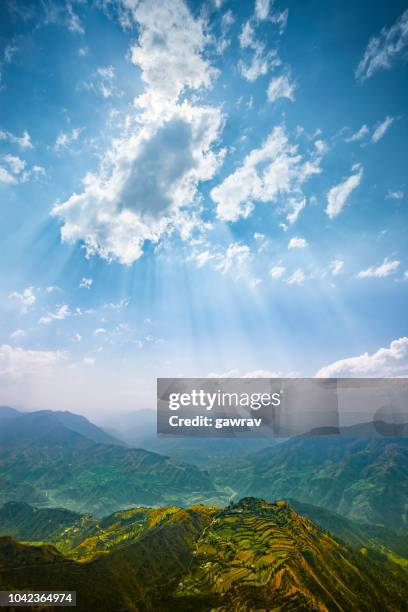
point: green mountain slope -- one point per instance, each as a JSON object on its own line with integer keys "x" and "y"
{"x": 252, "y": 555}
{"x": 60, "y": 467}
{"x": 363, "y": 479}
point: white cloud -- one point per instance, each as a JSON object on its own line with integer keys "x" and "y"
{"x": 296, "y": 208}
{"x": 277, "y": 272}
{"x": 61, "y": 313}
{"x": 275, "y": 169}
{"x": 380, "y": 130}
{"x": 338, "y": 195}
{"x": 73, "y": 22}
{"x": 26, "y": 299}
{"x": 15, "y": 163}
{"x": 17, "y": 333}
{"x": 383, "y": 50}
{"x": 385, "y": 269}
{"x": 391, "y": 361}
{"x": 359, "y": 135}
{"x": 24, "y": 141}
{"x": 16, "y": 363}
{"x": 236, "y": 257}
{"x": 406, "y": 275}
{"x": 297, "y": 243}
{"x": 262, "y": 8}
{"x": 65, "y": 139}
{"x": 85, "y": 283}
{"x": 261, "y": 61}
{"x": 235, "y": 373}
{"x": 147, "y": 182}
{"x": 336, "y": 266}
{"x": 89, "y": 361}
{"x": 281, "y": 87}
{"x": 395, "y": 195}
{"x": 297, "y": 278}
{"x": 203, "y": 258}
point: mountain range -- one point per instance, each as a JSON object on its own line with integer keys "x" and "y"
{"x": 251, "y": 555}
{"x": 44, "y": 461}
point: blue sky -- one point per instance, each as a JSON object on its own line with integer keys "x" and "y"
{"x": 194, "y": 188}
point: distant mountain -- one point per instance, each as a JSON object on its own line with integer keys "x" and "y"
{"x": 360, "y": 478}
{"x": 250, "y": 556}
{"x": 6, "y": 412}
{"x": 71, "y": 421}
{"x": 61, "y": 467}
{"x": 139, "y": 428}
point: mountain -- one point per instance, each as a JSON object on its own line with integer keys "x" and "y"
{"x": 252, "y": 555}
{"x": 379, "y": 540}
{"x": 69, "y": 420}
{"x": 139, "y": 428}
{"x": 60, "y": 467}
{"x": 6, "y": 412}
{"x": 365, "y": 479}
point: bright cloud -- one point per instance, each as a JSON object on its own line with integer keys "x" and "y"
{"x": 297, "y": 278}
{"x": 262, "y": 8}
{"x": 236, "y": 256}
{"x": 395, "y": 195}
{"x": 65, "y": 139}
{"x": 297, "y": 243}
{"x": 281, "y": 87}
{"x": 24, "y": 141}
{"x": 359, "y": 135}
{"x": 61, "y": 313}
{"x": 148, "y": 181}
{"x": 381, "y": 129}
{"x": 26, "y": 299}
{"x": 277, "y": 272}
{"x": 390, "y": 361}
{"x": 383, "y": 50}
{"x": 338, "y": 195}
{"x": 385, "y": 269}
{"x": 85, "y": 283}
{"x": 275, "y": 169}
{"x": 336, "y": 266}
{"x": 18, "y": 363}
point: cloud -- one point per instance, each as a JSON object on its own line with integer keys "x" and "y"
{"x": 262, "y": 8}
{"x": 61, "y": 313}
{"x": 296, "y": 208}
{"x": 24, "y": 141}
{"x": 16, "y": 172}
{"x": 395, "y": 195}
{"x": 338, "y": 195}
{"x": 281, "y": 87}
{"x": 261, "y": 61}
{"x": 274, "y": 170}
{"x": 277, "y": 272}
{"x": 297, "y": 243}
{"x": 147, "y": 183}
{"x": 359, "y": 135}
{"x": 391, "y": 361}
{"x": 17, "y": 333}
{"x": 85, "y": 283}
{"x": 73, "y": 22}
{"x": 236, "y": 257}
{"x": 17, "y": 363}
{"x": 383, "y": 50}
{"x": 336, "y": 266}
{"x": 65, "y": 139}
{"x": 385, "y": 269}
{"x": 380, "y": 130}
{"x": 89, "y": 361}
{"x": 26, "y": 299}
{"x": 235, "y": 373}
{"x": 297, "y": 278}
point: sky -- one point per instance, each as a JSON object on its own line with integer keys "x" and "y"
{"x": 199, "y": 188}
